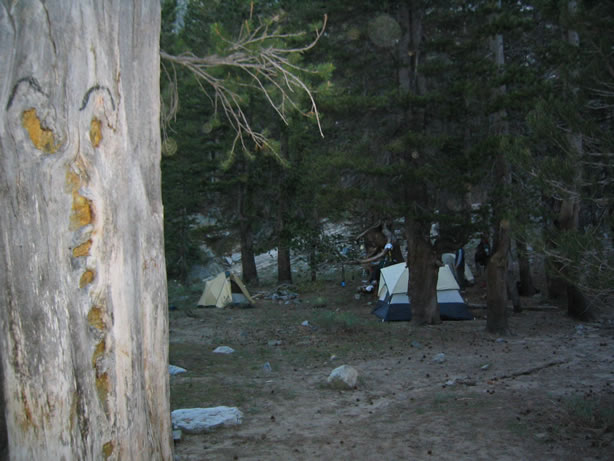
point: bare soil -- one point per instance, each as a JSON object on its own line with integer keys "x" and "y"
{"x": 544, "y": 392}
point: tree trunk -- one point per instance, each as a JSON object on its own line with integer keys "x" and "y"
{"x": 421, "y": 258}
{"x": 84, "y": 322}
{"x": 568, "y": 218}
{"x": 248, "y": 259}
{"x": 500, "y": 277}
{"x": 497, "y": 289}
{"x": 284, "y": 267}
{"x": 423, "y": 272}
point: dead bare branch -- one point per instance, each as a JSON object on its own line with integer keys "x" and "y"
{"x": 269, "y": 70}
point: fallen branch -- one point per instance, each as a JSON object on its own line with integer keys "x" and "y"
{"x": 530, "y": 370}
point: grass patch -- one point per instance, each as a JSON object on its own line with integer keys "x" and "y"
{"x": 332, "y": 320}
{"x": 590, "y": 413}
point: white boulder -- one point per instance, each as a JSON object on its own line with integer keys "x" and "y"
{"x": 223, "y": 350}
{"x": 199, "y": 420}
{"x": 343, "y": 377}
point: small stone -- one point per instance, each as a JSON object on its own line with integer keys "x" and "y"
{"x": 274, "y": 342}
{"x": 305, "y": 323}
{"x": 174, "y": 370}
{"x": 177, "y": 435}
{"x": 223, "y": 350}
{"x": 485, "y": 367}
{"x": 416, "y": 344}
{"x": 439, "y": 358}
{"x": 267, "y": 367}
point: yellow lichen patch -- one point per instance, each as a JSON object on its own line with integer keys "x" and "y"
{"x": 107, "y": 450}
{"x": 81, "y": 211}
{"x": 103, "y": 385}
{"x": 95, "y": 132}
{"x": 82, "y": 250}
{"x": 98, "y": 352}
{"x": 41, "y": 137}
{"x": 95, "y": 318}
{"x": 87, "y": 278}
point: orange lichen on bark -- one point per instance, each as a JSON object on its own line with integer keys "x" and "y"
{"x": 95, "y": 318}
{"x": 107, "y": 450}
{"x": 82, "y": 250}
{"x": 81, "y": 207}
{"x": 98, "y": 352}
{"x": 42, "y": 138}
{"x": 86, "y": 278}
{"x": 103, "y": 386}
{"x": 95, "y": 132}
{"x": 81, "y": 211}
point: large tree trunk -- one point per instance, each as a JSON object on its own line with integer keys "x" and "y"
{"x": 84, "y": 323}
{"x": 423, "y": 272}
{"x": 497, "y": 283}
{"x": 421, "y": 258}
{"x": 568, "y": 218}
{"x": 500, "y": 289}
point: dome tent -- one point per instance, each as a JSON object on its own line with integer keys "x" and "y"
{"x": 394, "y": 303}
{"x": 226, "y": 289}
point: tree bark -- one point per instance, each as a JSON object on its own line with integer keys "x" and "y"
{"x": 284, "y": 267}
{"x": 84, "y": 322}
{"x": 423, "y": 272}
{"x": 421, "y": 258}
{"x": 568, "y": 217}
{"x": 497, "y": 289}
{"x": 500, "y": 127}
{"x": 246, "y": 235}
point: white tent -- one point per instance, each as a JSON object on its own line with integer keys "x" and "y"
{"x": 394, "y": 302}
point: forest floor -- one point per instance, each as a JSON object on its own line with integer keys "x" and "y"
{"x": 546, "y": 391}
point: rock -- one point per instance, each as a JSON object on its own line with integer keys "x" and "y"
{"x": 343, "y": 377}
{"x": 223, "y": 350}
{"x": 439, "y": 358}
{"x": 267, "y": 367}
{"x": 485, "y": 367}
{"x": 199, "y": 420}
{"x": 177, "y": 435}
{"x": 305, "y": 323}
{"x": 274, "y": 342}
{"x": 173, "y": 370}
{"x": 416, "y": 344}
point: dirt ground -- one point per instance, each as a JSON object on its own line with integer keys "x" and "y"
{"x": 545, "y": 392}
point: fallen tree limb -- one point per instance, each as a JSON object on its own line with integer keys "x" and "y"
{"x": 530, "y": 370}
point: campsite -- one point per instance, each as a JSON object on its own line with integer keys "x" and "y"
{"x": 544, "y": 392}
{"x": 152, "y": 154}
